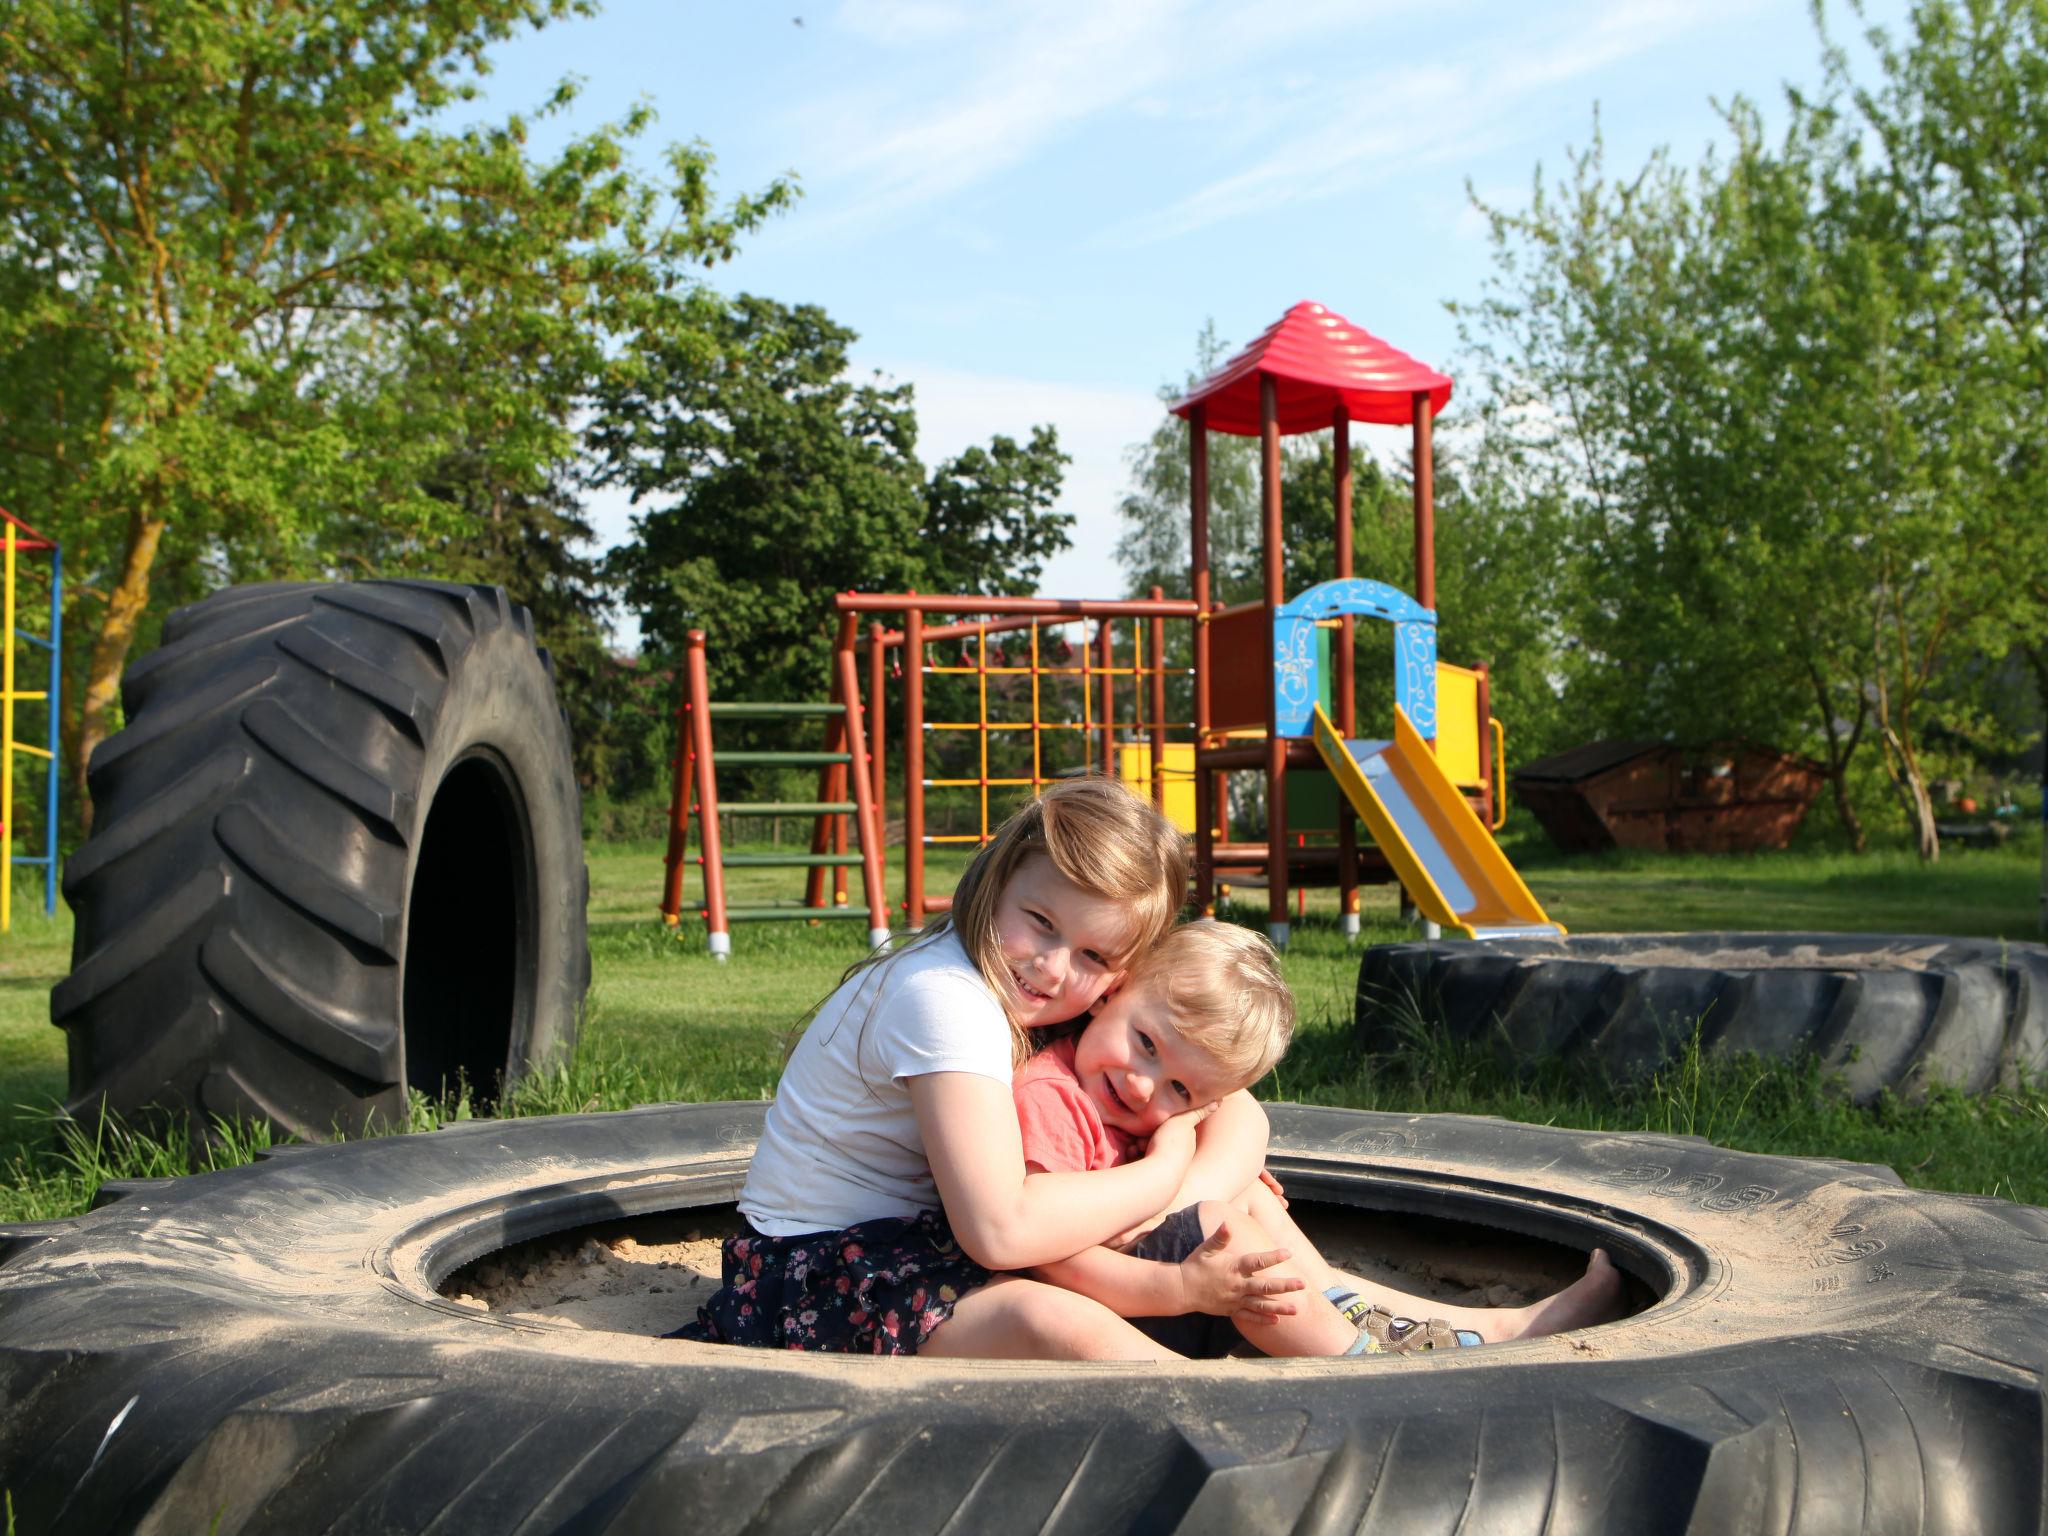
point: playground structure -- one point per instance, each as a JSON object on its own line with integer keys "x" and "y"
{"x": 19, "y": 539}
{"x": 1261, "y": 697}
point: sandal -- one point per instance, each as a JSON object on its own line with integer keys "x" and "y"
{"x": 1390, "y": 1335}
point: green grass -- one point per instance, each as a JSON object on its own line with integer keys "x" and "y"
{"x": 666, "y": 1022}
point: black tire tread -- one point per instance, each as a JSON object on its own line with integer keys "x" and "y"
{"x": 1972, "y": 1015}
{"x": 246, "y": 880}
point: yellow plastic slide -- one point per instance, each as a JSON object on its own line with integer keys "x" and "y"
{"x": 1450, "y": 865}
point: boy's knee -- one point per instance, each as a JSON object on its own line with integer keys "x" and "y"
{"x": 1245, "y": 1231}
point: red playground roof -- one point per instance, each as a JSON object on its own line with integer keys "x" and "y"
{"x": 1319, "y": 361}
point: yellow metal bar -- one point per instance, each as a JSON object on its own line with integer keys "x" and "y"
{"x": 22, "y": 746}
{"x": 1500, "y": 774}
{"x": 7, "y": 750}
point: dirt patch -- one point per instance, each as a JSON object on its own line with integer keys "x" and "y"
{"x": 647, "y": 1275}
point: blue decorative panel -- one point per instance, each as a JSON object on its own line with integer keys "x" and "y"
{"x": 1295, "y": 681}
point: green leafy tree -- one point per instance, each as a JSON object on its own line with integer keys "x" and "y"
{"x": 776, "y": 482}
{"x": 227, "y": 233}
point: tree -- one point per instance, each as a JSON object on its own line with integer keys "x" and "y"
{"x": 1961, "y": 113}
{"x": 777, "y": 482}
{"x": 1778, "y": 483}
{"x": 226, "y": 231}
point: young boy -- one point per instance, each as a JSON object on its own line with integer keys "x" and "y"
{"x": 1200, "y": 1018}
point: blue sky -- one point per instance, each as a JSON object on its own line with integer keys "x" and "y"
{"x": 1028, "y": 210}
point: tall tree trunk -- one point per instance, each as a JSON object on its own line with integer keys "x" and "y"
{"x": 2037, "y": 657}
{"x": 1905, "y": 771}
{"x": 1839, "y": 752}
{"x": 125, "y": 606}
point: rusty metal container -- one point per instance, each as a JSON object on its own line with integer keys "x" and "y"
{"x": 1727, "y": 797}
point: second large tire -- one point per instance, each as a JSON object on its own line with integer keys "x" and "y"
{"x": 1879, "y": 1011}
{"x": 337, "y": 854}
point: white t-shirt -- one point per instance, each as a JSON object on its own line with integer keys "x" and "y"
{"x": 841, "y": 1144}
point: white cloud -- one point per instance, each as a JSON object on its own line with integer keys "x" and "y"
{"x": 1452, "y": 109}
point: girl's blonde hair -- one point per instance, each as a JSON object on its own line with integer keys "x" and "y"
{"x": 1223, "y": 992}
{"x": 1106, "y": 840}
{"x": 1099, "y": 835}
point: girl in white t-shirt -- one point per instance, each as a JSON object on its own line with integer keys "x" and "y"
{"x": 888, "y": 1188}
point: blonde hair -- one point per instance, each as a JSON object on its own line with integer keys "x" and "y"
{"x": 1222, "y": 988}
{"x": 1106, "y": 840}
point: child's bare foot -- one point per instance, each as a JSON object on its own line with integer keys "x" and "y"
{"x": 1595, "y": 1297}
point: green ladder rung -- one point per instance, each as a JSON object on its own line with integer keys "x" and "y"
{"x": 788, "y": 808}
{"x": 792, "y": 914}
{"x": 788, "y": 860}
{"x": 775, "y": 711}
{"x": 786, "y": 759}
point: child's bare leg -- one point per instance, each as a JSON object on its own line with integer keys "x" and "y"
{"x": 1315, "y": 1327}
{"x": 1012, "y": 1318}
{"x": 1595, "y": 1297}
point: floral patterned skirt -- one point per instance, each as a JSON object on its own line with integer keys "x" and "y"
{"x": 877, "y": 1288}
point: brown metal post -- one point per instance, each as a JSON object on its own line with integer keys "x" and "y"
{"x": 1198, "y": 552}
{"x": 1344, "y": 681}
{"x": 878, "y": 714}
{"x": 913, "y": 766}
{"x": 678, "y": 815}
{"x": 1157, "y": 627}
{"x": 1276, "y": 749}
{"x": 719, "y": 939}
{"x": 858, "y": 776}
{"x": 831, "y": 787}
{"x": 1104, "y": 640}
{"x": 1425, "y": 505}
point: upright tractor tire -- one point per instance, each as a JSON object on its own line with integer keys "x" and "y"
{"x": 337, "y": 854}
{"x": 1879, "y": 1011}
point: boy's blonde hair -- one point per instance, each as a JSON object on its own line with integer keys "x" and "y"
{"x": 1107, "y": 840}
{"x": 1221, "y": 985}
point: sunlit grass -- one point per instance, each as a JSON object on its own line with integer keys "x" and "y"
{"x": 666, "y": 1022}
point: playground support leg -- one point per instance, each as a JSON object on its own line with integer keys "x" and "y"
{"x": 1276, "y": 747}
{"x": 863, "y": 784}
{"x": 682, "y": 780}
{"x": 719, "y": 941}
{"x": 1347, "y": 704}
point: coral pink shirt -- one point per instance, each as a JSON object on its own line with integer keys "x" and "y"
{"x": 1063, "y": 1130}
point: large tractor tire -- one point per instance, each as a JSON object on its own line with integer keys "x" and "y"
{"x": 1879, "y": 1011}
{"x": 269, "y": 1350}
{"x": 337, "y": 854}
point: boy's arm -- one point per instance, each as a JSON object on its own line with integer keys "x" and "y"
{"x": 1006, "y": 1221}
{"x": 1211, "y": 1279}
{"x": 1230, "y": 1150}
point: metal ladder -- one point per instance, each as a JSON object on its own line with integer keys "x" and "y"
{"x": 844, "y": 762}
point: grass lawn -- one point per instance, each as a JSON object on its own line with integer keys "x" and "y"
{"x": 667, "y": 1022}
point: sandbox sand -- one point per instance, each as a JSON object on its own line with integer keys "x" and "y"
{"x": 646, "y": 1276}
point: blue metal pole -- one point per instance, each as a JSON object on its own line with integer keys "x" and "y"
{"x": 55, "y": 714}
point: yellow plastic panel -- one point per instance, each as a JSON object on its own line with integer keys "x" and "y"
{"x": 1134, "y": 767}
{"x": 1458, "y": 724}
